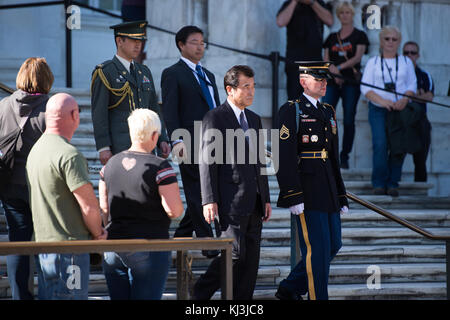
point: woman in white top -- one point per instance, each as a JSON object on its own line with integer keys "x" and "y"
{"x": 395, "y": 73}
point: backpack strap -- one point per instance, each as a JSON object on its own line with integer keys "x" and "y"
{"x": 297, "y": 110}
{"x": 23, "y": 120}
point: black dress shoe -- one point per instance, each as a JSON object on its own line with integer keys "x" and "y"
{"x": 344, "y": 165}
{"x": 210, "y": 253}
{"x": 285, "y": 294}
{"x": 393, "y": 192}
{"x": 379, "y": 191}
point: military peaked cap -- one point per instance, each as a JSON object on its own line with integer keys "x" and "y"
{"x": 317, "y": 69}
{"x": 133, "y": 30}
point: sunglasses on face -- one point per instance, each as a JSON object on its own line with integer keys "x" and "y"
{"x": 407, "y": 53}
{"x": 390, "y": 39}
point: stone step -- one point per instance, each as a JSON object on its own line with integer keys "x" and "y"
{"x": 386, "y": 202}
{"x": 367, "y": 218}
{"x": 269, "y": 277}
{"x": 356, "y": 218}
{"x": 353, "y": 254}
{"x": 391, "y": 291}
{"x": 359, "y": 236}
{"x": 388, "y": 291}
{"x": 355, "y": 187}
{"x": 276, "y": 237}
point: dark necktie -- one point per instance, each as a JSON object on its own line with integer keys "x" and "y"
{"x": 244, "y": 126}
{"x": 243, "y": 122}
{"x": 133, "y": 71}
{"x": 204, "y": 86}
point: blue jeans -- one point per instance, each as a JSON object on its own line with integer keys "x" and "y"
{"x": 136, "y": 275}
{"x": 320, "y": 240}
{"x": 350, "y": 95}
{"x": 63, "y": 276}
{"x": 20, "y": 228}
{"x": 386, "y": 171}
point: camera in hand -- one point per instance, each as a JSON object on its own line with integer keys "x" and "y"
{"x": 390, "y": 86}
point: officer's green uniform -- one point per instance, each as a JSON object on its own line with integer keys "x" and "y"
{"x": 115, "y": 93}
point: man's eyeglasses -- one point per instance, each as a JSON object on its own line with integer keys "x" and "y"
{"x": 198, "y": 44}
{"x": 407, "y": 53}
{"x": 390, "y": 39}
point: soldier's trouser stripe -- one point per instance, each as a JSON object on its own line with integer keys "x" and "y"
{"x": 311, "y": 290}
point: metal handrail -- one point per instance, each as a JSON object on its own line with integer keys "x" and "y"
{"x": 412, "y": 227}
{"x": 181, "y": 245}
{"x": 5, "y": 88}
{"x": 395, "y": 218}
{"x": 295, "y": 247}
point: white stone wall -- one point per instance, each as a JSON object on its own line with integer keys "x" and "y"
{"x": 40, "y": 31}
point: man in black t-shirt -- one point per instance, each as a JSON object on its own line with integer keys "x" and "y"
{"x": 425, "y": 91}
{"x": 304, "y": 21}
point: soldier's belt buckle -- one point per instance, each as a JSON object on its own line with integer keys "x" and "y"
{"x": 323, "y": 155}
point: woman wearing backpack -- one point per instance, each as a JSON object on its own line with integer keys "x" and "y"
{"x": 25, "y": 108}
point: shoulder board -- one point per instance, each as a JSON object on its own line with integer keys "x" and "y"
{"x": 328, "y": 105}
{"x": 102, "y": 65}
{"x": 291, "y": 102}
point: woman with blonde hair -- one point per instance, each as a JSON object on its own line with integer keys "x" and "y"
{"x": 24, "y": 108}
{"x": 345, "y": 49}
{"x": 139, "y": 192}
{"x": 396, "y": 74}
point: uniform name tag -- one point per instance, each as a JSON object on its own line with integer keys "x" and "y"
{"x": 309, "y": 120}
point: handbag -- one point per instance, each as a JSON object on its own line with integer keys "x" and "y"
{"x": 356, "y": 73}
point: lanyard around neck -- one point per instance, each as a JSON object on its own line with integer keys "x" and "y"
{"x": 389, "y": 69}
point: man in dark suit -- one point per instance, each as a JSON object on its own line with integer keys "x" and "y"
{"x": 234, "y": 192}
{"x": 310, "y": 181}
{"x": 188, "y": 92}
{"x": 119, "y": 86}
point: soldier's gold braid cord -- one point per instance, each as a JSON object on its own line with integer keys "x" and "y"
{"x": 120, "y": 92}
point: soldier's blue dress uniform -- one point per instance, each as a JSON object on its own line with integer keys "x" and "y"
{"x": 309, "y": 173}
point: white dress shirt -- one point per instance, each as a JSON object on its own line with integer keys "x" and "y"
{"x": 237, "y": 111}
{"x": 311, "y": 99}
{"x": 125, "y": 62}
